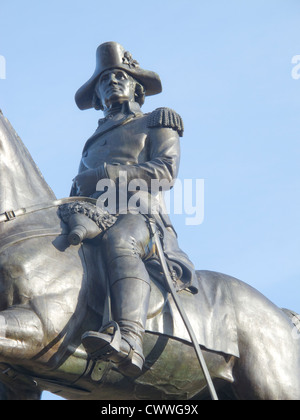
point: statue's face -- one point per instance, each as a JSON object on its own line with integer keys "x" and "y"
{"x": 115, "y": 86}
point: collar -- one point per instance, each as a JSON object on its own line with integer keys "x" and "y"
{"x": 126, "y": 109}
{"x": 130, "y": 110}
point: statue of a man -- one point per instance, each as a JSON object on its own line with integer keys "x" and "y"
{"x": 144, "y": 147}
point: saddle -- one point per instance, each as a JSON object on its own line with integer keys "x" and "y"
{"x": 214, "y": 323}
{"x": 211, "y": 311}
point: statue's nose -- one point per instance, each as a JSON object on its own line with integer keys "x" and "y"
{"x": 112, "y": 79}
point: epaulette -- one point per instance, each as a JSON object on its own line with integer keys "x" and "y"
{"x": 166, "y": 117}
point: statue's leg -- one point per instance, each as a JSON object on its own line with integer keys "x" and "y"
{"x": 124, "y": 247}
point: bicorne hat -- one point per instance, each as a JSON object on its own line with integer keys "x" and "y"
{"x": 112, "y": 55}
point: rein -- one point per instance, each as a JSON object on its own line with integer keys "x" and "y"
{"x": 10, "y": 215}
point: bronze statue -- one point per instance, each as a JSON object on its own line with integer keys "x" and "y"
{"x": 52, "y": 294}
{"x": 143, "y": 147}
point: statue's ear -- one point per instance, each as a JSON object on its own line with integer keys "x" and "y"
{"x": 96, "y": 102}
{"x": 140, "y": 94}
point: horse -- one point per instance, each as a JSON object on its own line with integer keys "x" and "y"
{"x": 51, "y": 293}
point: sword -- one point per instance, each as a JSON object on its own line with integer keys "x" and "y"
{"x": 161, "y": 255}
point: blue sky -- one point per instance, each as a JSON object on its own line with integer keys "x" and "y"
{"x": 226, "y": 67}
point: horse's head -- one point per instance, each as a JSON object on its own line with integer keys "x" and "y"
{"x": 21, "y": 183}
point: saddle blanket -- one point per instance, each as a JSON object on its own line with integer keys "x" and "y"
{"x": 210, "y": 312}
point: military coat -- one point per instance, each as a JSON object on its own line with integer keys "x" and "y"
{"x": 144, "y": 147}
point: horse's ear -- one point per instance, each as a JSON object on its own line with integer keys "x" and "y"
{"x": 21, "y": 182}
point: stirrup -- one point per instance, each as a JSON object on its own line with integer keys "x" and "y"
{"x": 100, "y": 345}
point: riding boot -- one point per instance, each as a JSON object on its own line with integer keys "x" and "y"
{"x": 130, "y": 294}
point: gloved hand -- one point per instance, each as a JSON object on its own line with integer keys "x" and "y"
{"x": 84, "y": 184}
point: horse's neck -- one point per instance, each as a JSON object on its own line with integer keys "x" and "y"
{"x": 21, "y": 183}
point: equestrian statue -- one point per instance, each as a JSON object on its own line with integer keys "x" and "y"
{"x": 97, "y": 300}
